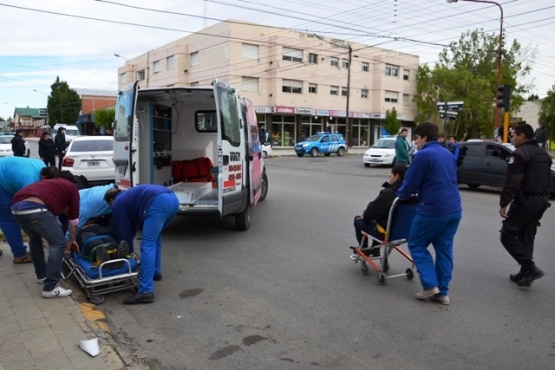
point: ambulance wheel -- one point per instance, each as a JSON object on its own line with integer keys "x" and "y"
{"x": 243, "y": 219}
{"x": 381, "y": 278}
{"x": 364, "y": 268}
{"x": 410, "y": 274}
{"x": 314, "y": 152}
{"x": 96, "y": 299}
{"x": 341, "y": 152}
{"x": 264, "y": 186}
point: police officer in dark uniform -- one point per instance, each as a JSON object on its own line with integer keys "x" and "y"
{"x": 527, "y": 187}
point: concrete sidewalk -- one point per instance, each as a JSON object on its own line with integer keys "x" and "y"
{"x": 39, "y": 333}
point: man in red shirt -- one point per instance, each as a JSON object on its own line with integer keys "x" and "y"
{"x": 36, "y": 208}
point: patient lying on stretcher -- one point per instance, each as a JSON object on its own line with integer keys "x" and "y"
{"x": 98, "y": 245}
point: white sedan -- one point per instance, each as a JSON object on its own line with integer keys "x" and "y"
{"x": 92, "y": 157}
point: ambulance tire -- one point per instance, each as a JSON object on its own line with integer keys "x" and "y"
{"x": 243, "y": 219}
{"x": 264, "y": 186}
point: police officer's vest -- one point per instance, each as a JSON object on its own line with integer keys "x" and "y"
{"x": 538, "y": 164}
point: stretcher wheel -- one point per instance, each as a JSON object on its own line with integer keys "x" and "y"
{"x": 381, "y": 278}
{"x": 96, "y": 299}
{"x": 364, "y": 268}
{"x": 410, "y": 274}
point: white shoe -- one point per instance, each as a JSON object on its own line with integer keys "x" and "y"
{"x": 426, "y": 293}
{"x": 57, "y": 292}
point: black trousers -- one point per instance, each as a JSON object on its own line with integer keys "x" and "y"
{"x": 49, "y": 160}
{"x": 369, "y": 228}
{"x": 60, "y": 160}
{"x": 519, "y": 228}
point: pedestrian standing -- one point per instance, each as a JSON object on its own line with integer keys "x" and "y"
{"x": 61, "y": 145}
{"x": 540, "y": 135}
{"x": 36, "y": 208}
{"x": 527, "y": 191}
{"x": 47, "y": 149}
{"x": 15, "y": 174}
{"x": 453, "y": 147}
{"x": 153, "y": 207}
{"x": 18, "y": 144}
{"x": 433, "y": 176}
{"x": 402, "y": 148}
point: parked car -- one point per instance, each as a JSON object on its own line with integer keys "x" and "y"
{"x": 323, "y": 142}
{"x": 485, "y": 163}
{"x": 92, "y": 157}
{"x": 6, "y": 145}
{"x": 266, "y": 150}
{"x": 382, "y": 152}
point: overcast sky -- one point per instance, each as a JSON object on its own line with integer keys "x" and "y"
{"x": 77, "y": 39}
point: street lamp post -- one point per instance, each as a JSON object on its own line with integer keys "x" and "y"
{"x": 500, "y": 51}
{"x": 127, "y": 61}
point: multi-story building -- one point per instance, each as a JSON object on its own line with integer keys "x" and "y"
{"x": 300, "y": 83}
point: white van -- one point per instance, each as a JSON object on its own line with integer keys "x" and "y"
{"x": 71, "y": 131}
{"x": 202, "y": 142}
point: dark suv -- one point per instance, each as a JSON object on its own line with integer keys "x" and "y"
{"x": 485, "y": 163}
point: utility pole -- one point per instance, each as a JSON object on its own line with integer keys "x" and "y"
{"x": 349, "y": 134}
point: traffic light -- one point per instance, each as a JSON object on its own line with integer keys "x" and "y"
{"x": 503, "y": 96}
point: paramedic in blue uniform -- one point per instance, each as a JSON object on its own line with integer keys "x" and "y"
{"x": 527, "y": 191}
{"x": 153, "y": 207}
{"x": 433, "y": 176}
{"x": 15, "y": 174}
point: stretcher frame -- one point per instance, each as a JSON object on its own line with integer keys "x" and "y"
{"x": 397, "y": 231}
{"x": 96, "y": 288}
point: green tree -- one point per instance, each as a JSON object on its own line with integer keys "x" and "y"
{"x": 467, "y": 71}
{"x": 391, "y": 123}
{"x": 104, "y": 118}
{"x": 64, "y": 104}
{"x": 547, "y": 114}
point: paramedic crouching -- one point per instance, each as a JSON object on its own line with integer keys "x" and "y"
{"x": 153, "y": 207}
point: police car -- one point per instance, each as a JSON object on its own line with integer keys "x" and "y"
{"x": 323, "y": 142}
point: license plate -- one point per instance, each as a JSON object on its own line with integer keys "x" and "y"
{"x": 93, "y": 163}
{"x": 374, "y": 160}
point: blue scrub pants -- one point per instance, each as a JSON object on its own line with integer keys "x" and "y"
{"x": 440, "y": 232}
{"x": 158, "y": 216}
{"x": 9, "y": 226}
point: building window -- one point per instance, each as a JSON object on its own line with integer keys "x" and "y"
{"x": 343, "y": 91}
{"x": 365, "y": 67}
{"x": 292, "y": 86}
{"x": 312, "y": 88}
{"x": 313, "y": 58}
{"x": 123, "y": 78}
{"x": 364, "y": 93}
{"x": 391, "y": 70}
{"x": 293, "y": 55}
{"x": 391, "y": 96}
{"x": 406, "y": 74}
{"x": 406, "y": 99}
{"x": 334, "y": 62}
{"x": 170, "y": 62}
{"x": 344, "y": 63}
{"x": 141, "y": 75}
{"x": 334, "y": 90}
{"x": 156, "y": 67}
{"x": 195, "y": 58}
{"x": 249, "y": 51}
{"x": 249, "y": 84}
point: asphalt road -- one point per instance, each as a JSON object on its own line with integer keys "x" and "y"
{"x": 285, "y": 295}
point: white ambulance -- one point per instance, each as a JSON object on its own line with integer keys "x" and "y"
{"x": 201, "y": 142}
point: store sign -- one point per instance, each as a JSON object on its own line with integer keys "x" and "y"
{"x": 264, "y": 109}
{"x": 282, "y": 109}
{"x": 322, "y": 112}
{"x": 337, "y": 113}
{"x": 303, "y": 111}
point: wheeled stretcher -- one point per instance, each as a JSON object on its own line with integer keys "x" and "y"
{"x": 99, "y": 280}
{"x": 396, "y": 233}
